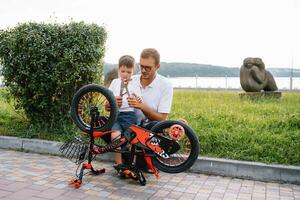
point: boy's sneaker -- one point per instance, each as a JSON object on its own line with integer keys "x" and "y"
{"x": 119, "y": 168}
{"x": 121, "y": 175}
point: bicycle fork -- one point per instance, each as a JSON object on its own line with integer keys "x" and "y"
{"x": 88, "y": 166}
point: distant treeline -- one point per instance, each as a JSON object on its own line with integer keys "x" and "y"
{"x": 203, "y": 70}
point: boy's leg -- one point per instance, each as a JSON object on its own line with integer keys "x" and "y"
{"x": 139, "y": 160}
{"x": 128, "y": 119}
{"x": 114, "y": 136}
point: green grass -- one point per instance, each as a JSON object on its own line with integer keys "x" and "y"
{"x": 14, "y": 123}
{"x": 265, "y": 130}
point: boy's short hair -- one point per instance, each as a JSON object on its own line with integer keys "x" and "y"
{"x": 151, "y": 53}
{"x": 127, "y": 61}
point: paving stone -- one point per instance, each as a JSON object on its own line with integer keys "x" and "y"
{"x": 161, "y": 193}
{"x": 14, "y": 186}
{"x": 50, "y": 193}
{"x": 4, "y": 193}
{"x": 91, "y": 198}
{"x": 169, "y": 187}
{"x": 40, "y": 177}
{"x": 103, "y": 194}
{"x": 215, "y": 198}
{"x": 23, "y": 194}
{"x": 66, "y": 198}
{"x": 200, "y": 197}
{"x": 126, "y": 198}
{"x": 179, "y": 189}
{"x": 230, "y": 196}
{"x": 216, "y": 195}
{"x": 187, "y": 197}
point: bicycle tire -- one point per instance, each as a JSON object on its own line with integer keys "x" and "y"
{"x": 90, "y": 90}
{"x": 192, "y": 138}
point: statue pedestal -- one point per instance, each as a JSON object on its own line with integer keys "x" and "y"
{"x": 259, "y": 95}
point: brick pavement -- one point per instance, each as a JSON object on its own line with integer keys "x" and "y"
{"x": 39, "y": 177}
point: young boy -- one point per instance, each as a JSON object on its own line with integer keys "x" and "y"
{"x": 124, "y": 87}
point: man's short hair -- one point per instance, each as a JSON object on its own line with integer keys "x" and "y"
{"x": 151, "y": 53}
{"x": 127, "y": 61}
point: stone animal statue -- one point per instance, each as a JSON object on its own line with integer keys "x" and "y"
{"x": 254, "y": 77}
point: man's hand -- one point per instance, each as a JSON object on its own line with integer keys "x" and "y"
{"x": 135, "y": 101}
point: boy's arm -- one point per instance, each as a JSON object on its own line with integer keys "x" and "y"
{"x": 113, "y": 87}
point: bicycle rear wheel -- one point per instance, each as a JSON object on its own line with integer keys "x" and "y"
{"x": 185, "y": 156}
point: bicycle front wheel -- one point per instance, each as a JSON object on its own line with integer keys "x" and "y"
{"x": 90, "y": 96}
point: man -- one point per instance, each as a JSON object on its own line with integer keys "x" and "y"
{"x": 156, "y": 90}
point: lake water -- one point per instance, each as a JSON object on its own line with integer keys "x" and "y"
{"x": 283, "y": 83}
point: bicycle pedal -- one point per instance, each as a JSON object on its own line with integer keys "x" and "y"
{"x": 75, "y": 182}
{"x": 72, "y": 181}
{"x": 77, "y": 185}
{"x": 99, "y": 171}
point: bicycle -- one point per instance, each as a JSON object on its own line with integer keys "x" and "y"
{"x": 170, "y": 146}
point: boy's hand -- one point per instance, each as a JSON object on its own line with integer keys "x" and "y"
{"x": 106, "y": 105}
{"x": 119, "y": 101}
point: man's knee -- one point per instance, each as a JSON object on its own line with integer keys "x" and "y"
{"x": 148, "y": 124}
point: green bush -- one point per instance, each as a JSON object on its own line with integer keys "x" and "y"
{"x": 44, "y": 64}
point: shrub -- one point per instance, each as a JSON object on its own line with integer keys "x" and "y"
{"x": 44, "y": 64}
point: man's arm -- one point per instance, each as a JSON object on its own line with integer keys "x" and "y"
{"x": 153, "y": 115}
{"x": 148, "y": 112}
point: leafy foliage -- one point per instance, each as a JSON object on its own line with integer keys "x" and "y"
{"x": 44, "y": 64}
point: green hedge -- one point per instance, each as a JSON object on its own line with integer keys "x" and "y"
{"x": 44, "y": 64}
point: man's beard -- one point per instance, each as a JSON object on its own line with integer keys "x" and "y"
{"x": 145, "y": 76}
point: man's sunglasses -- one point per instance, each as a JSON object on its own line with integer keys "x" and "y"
{"x": 146, "y": 68}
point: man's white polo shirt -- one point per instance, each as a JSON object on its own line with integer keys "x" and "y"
{"x": 158, "y": 95}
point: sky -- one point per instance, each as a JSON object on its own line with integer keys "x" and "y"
{"x": 217, "y": 32}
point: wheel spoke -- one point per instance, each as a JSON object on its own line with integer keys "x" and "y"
{"x": 181, "y": 156}
{"x": 89, "y": 100}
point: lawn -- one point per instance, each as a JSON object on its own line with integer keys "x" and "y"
{"x": 265, "y": 130}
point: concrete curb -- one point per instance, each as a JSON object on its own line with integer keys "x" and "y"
{"x": 215, "y": 166}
